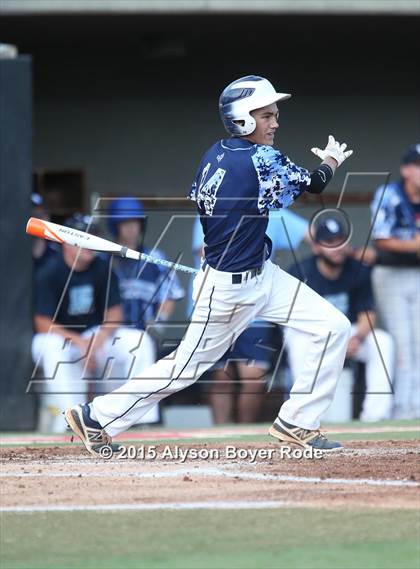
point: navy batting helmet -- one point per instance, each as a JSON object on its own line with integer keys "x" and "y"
{"x": 243, "y": 96}
{"x": 123, "y": 209}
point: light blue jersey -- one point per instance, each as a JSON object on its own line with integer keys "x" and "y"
{"x": 144, "y": 287}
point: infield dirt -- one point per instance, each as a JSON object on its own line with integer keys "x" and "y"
{"x": 368, "y": 474}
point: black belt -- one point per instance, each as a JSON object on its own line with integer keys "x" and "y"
{"x": 237, "y": 278}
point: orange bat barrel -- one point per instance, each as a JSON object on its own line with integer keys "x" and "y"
{"x": 38, "y": 228}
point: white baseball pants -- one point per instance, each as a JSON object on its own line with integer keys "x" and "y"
{"x": 397, "y": 292}
{"x": 377, "y": 352}
{"x": 65, "y": 381}
{"x": 222, "y": 311}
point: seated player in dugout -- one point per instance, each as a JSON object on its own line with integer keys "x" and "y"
{"x": 239, "y": 179}
{"x": 238, "y": 380}
{"x": 148, "y": 291}
{"x": 346, "y": 284}
{"x": 79, "y": 344}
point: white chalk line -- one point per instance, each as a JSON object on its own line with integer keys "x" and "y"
{"x": 244, "y": 505}
{"x": 203, "y": 472}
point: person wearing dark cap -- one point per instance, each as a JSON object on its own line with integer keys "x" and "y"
{"x": 148, "y": 291}
{"x": 346, "y": 283}
{"x": 396, "y": 276}
{"x": 78, "y": 333}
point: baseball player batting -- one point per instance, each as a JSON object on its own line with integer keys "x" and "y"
{"x": 238, "y": 181}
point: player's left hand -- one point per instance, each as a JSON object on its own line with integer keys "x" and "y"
{"x": 333, "y": 149}
{"x": 353, "y": 347}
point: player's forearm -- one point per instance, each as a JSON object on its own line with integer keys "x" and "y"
{"x": 166, "y": 309}
{"x": 114, "y": 315}
{"x": 394, "y": 245}
{"x": 365, "y": 322}
{"x": 321, "y": 177}
{"x": 113, "y": 319}
{"x": 331, "y": 162}
{"x": 199, "y": 252}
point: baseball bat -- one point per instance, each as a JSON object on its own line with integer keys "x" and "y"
{"x": 62, "y": 234}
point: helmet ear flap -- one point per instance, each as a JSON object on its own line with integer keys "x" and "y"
{"x": 244, "y": 125}
{"x": 250, "y": 125}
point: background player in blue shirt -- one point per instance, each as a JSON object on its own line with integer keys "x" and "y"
{"x": 238, "y": 181}
{"x": 148, "y": 292}
{"x": 346, "y": 283}
{"x": 79, "y": 341}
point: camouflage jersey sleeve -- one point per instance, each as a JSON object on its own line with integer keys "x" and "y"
{"x": 281, "y": 181}
{"x": 392, "y": 216}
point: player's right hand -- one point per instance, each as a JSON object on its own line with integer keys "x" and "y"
{"x": 334, "y": 150}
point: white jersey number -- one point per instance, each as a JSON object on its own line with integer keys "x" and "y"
{"x": 207, "y": 191}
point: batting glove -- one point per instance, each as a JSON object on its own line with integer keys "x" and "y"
{"x": 333, "y": 149}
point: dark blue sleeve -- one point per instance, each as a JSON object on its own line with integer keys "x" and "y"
{"x": 363, "y": 293}
{"x": 114, "y": 297}
{"x": 107, "y": 290}
{"x": 46, "y": 297}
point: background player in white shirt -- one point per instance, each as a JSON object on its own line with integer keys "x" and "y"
{"x": 346, "y": 283}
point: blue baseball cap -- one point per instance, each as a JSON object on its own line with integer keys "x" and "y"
{"x": 329, "y": 230}
{"x": 411, "y": 155}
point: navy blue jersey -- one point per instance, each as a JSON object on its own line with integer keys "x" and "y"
{"x": 85, "y": 297}
{"x": 237, "y": 183}
{"x": 49, "y": 252}
{"x": 143, "y": 288}
{"x": 351, "y": 292}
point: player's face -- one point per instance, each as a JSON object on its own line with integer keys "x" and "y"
{"x": 334, "y": 254}
{"x": 266, "y": 119}
{"x": 76, "y": 258}
{"x": 411, "y": 174}
{"x": 129, "y": 232}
